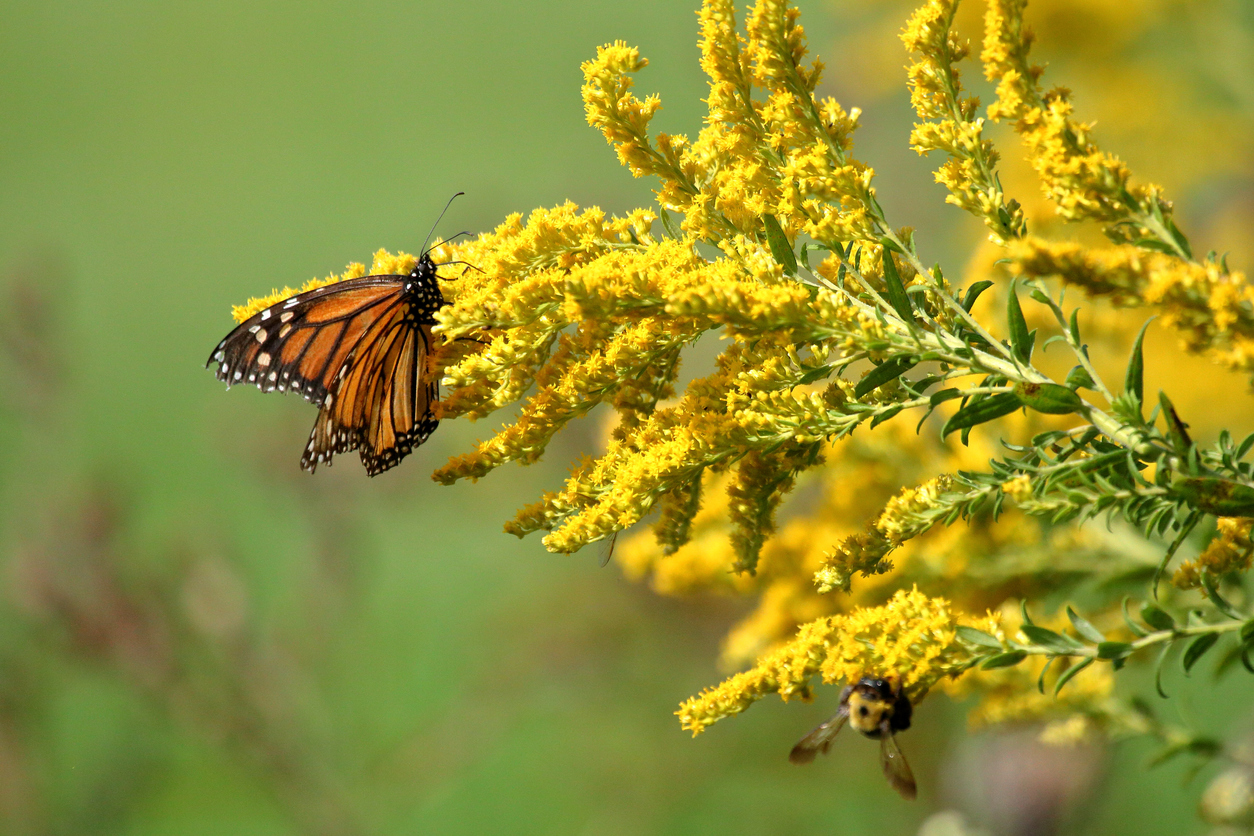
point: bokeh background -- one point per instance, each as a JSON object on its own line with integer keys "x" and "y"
{"x": 198, "y": 638}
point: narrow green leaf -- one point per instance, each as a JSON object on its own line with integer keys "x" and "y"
{"x": 897, "y": 296}
{"x": 1113, "y": 650}
{"x": 1176, "y": 429}
{"x": 1244, "y": 447}
{"x": 1040, "y": 680}
{"x": 973, "y": 293}
{"x": 1004, "y": 660}
{"x": 980, "y": 412}
{"x": 1069, "y": 674}
{"x": 970, "y": 635}
{"x": 805, "y": 256}
{"x": 1023, "y": 611}
{"x": 1048, "y": 639}
{"x": 669, "y": 225}
{"x": 1079, "y": 378}
{"x": 944, "y": 395}
{"x": 778, "y": 242}
{"x": 885, "y": 372}
{"x": 884, "y": 416}
{"x": 1158, "y": 670}
{"x": 1137, "y": 629}
{"x": 1084, "y": 628}
{"x": 1212, "y": 592}
{"x": 1050, "y": 398}
{"x": 1018, "y": 326}
{"x": 1157, "y": 617}
{"x": 1134, "y": 377}
{"x": 817, "y": 373}
{"x": 1197, "y": 649}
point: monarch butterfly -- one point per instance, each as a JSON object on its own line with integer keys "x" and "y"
{"x": 358, "y": 350}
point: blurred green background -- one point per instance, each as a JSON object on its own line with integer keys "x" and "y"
{"x": 198, "y": 638}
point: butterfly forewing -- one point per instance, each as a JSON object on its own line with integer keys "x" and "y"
{"x": 301, "y": 343}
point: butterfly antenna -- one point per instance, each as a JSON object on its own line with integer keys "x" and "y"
{"x": 450, "y": 239}
{"x": 437, "y": 222}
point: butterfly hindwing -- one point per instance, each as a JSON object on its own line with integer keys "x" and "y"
{"x": 380, "y": 402}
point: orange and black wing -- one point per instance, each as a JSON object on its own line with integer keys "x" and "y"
{"x": 381, "y": 400}
{"x": 303, "y": 342}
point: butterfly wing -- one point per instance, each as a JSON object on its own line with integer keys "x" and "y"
{"x": 303, "y": 342}
{"x": 381, "y": 400}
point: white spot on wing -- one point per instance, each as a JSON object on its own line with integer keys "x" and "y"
{"x": 265, "y": 314}
{"x": 263, "y": 359}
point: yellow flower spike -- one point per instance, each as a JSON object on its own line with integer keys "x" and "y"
{"x": 950, "y": 124}
{"x": 259, "y": 303}
{"x": 1082, "y": 181}
{"x": 1232, "y": 550}
{"x": 912, "y": 637}
{"x": 1212, "y": 309}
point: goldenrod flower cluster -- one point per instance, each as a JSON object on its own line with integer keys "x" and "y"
{"x": 971, "y": 463}
{"x": 1211, "y": 307}
{"x": 1232, "y": 550}
{"x": 912, "y": 638}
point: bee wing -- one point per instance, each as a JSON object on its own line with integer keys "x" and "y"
{"x": 896, "y": 770}
{"x": 820, "y": 739}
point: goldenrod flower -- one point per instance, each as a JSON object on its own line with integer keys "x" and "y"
{"x": 1232, "y": 550}
{"x": 912, "y": 638}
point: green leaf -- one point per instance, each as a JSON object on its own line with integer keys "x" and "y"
{"x": 1133, "y": 378}
{"x": 1004, "y": 660}
{"x": 1212, "y": 592}
{"x": 668, "y": 224}
{"x": 1158, "y": 670}
{"x": 1113, "y": 650}
{"x": 970, "y": 635}
{"x": 1048, "y": 639}
{"x": 1247, "y": 632}
{"x": 1084, "y": 628}
{"x": 981, "y": 412}
{"x": 1176, "y": 429}
{"x": 1197, "y": 649}
{"x": 944, "y": 395}
{"x": 885, "y": 415}
{"x": 1040, "y": 680}
{"x": 1050, "y": 398}
{"x": 973, "y": 293}
{"x": 885, "y": 372}
{"x": 1069, "y": 674}
{"x": 778, "y": 242}
{"x": 805, "y": 256}
{"x": 1157, "y": 617}
{"x": 817, "y": 373}
{"x": 1137, "y": 629}
{"x": 1079, "y": 378}
{"x": 897, "y": 296}
{"x": 1018, "y": 326}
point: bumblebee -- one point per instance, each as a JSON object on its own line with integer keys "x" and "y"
{"x": 878, "y": 709}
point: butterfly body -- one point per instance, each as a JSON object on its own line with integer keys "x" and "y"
{"x": 358, "y": 350}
